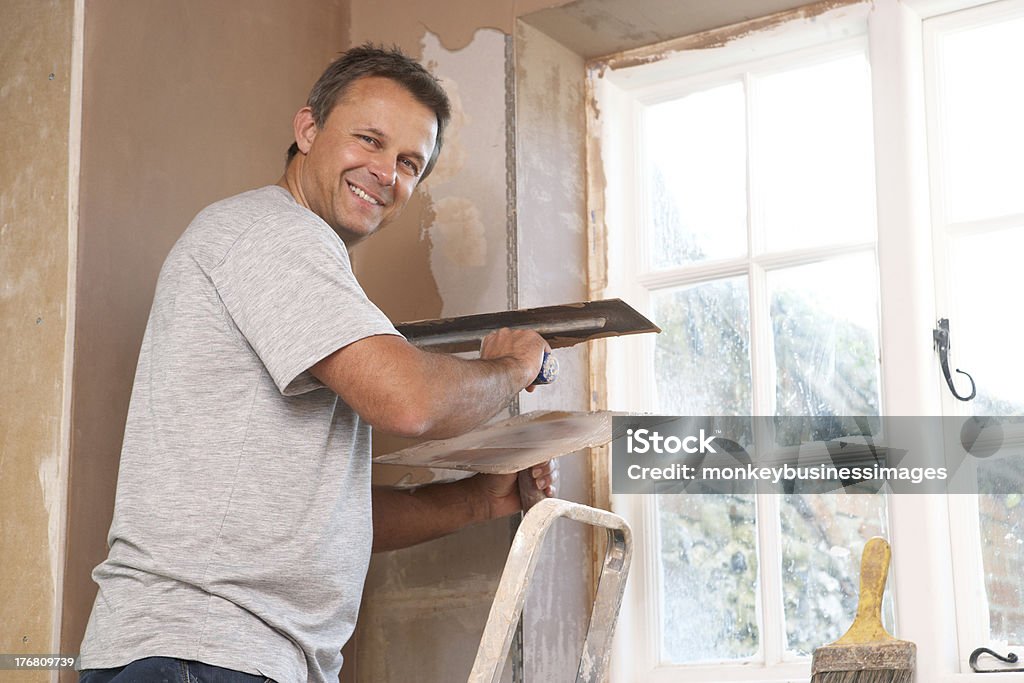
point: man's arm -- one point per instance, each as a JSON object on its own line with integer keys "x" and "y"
{"x": 402, "y": 390}
{"x": 405, "y": 518}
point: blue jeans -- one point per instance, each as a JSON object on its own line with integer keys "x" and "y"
{"x": 168, "y": 670}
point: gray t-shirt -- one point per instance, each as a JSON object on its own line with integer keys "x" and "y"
{"x": 242, "y": 524}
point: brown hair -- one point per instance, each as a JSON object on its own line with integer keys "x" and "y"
{"x": 369, "y": 60}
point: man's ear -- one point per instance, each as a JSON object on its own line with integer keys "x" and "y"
{"x": 305, "y": 129}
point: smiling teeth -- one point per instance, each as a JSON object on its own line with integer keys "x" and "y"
{"x": 362, "y": 195}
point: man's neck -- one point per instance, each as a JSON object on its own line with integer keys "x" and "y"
{"x": 290, "y": 180}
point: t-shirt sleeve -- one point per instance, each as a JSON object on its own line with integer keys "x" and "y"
{"x": 287, "y": 284}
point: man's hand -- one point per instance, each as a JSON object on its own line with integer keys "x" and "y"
{"x": 525, "y": 348}
{"x": 501, "y": 491}
{"x": 405, "y": 518}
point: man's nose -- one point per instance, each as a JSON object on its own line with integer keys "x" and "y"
{"x": 385, "y": 169}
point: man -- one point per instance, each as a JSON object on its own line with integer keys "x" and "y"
{"x": 242, "y": 525}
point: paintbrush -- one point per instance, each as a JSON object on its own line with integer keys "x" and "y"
{"x": 867, "y": 653}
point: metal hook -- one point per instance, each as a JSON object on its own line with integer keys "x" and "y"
{"x": 1010, "y": 658}
{"x": 941, "y": 337}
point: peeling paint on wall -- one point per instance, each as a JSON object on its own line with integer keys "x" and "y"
{"x": 454, "y": 22}
{"x": 468, "y": 245}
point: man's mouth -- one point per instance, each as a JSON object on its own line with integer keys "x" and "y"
{"x": 362, "y": 195}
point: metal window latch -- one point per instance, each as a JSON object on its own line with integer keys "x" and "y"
{"x": 1010, "y": 658}
{"x": 940, "y": 336}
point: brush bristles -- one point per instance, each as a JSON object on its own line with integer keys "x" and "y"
{"x": 866, "y": 676}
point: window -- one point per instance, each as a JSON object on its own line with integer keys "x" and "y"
{"x": 774, "y": 204}
{"x": 975, "y": 107}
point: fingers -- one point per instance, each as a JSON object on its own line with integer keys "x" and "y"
{"x": 545, "y": 477}
{"x": 525, "y": 347}
{"x": 525, "y": 344}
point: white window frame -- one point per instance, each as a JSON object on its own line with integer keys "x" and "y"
{"x": 930, "y": 534}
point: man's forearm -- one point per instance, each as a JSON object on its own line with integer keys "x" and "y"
{"x": 402, "y": 390}
{"x": 402, "y": 518}
{"x": 405, "y": 518}
{"x": 464, "y": 393}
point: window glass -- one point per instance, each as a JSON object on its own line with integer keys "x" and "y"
{"x": 702, "y": 356}
{"x": 986, "y": 332}
{"x": 982, "y": 108}
{"x": 709, "y": 577}
{"x": 825, "y": 329}
{"x": 823, "y": 536}
{"x": 1001, "y": 517}
{"x": 814, "y": 160}
{"x": 696, "y": 177}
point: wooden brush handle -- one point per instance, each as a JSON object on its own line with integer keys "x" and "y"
{"x": 874, "y": 569}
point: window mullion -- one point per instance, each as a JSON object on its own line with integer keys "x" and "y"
{"x": 770, "y": 586}
{"x": 761, "y": 353}
{"x": 773, "y": 632}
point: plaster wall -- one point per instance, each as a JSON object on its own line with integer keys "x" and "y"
{"x": 552, "y": 260}
{"x": 36, "y": 47}
{"x": 184, "y": 103}
{"x": 460, "y": 249}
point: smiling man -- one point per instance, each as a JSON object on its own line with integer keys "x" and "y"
{"x": 242, "y": 525}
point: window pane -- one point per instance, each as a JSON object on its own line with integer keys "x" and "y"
{"x": 814, "y": 164}
{"x": 823, "y": 536}
{"x": 985, "y": 336}
{"x": 1001, "y": 516}
{"x": 983, "y": 107}
{"x": 825, "y": 323}
{"x": 702, "y": 356}
{"x": 695, "y": 149}
{"x": 709, "y": 577}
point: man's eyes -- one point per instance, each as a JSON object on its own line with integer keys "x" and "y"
{"x": 411, "y": 165}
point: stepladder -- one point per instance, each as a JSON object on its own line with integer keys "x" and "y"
{"x": 507, "y": 607}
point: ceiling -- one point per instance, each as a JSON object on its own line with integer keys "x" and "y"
{"x": 595, "y": 28}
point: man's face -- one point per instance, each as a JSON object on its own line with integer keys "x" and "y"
{"x": 362, "y": 166}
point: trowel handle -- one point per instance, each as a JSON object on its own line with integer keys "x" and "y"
{"x": 548, "y": 369}
{"x": 529, "y": 494}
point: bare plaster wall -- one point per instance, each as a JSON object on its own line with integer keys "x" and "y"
{"x": 455, "y": 251}
{"x": 455, "y": 21}
{"x": 552, "y": 268}
{"x": 185, "y": 102}
{"x": 35, "y": 107}
{"x": 467, "y": 230}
